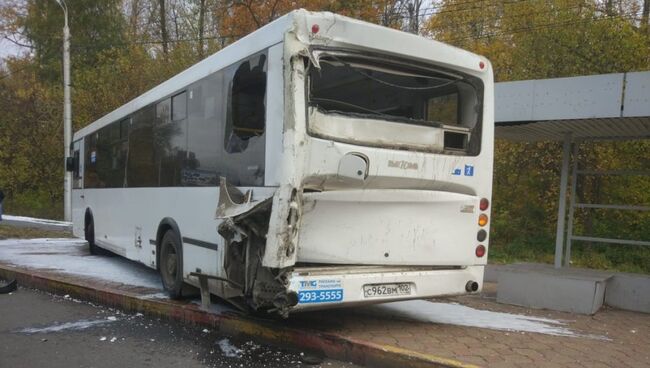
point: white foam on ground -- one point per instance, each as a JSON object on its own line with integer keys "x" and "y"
{"x": 458, "y": 314}
{"x": 161, "y": 295}
{"x": 69, "y": 255}
{"x": 79, "y": 325}
{"x": 229, "y": 350}
{"x": 34, "y": 220}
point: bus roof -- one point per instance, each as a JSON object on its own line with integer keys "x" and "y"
{"x": 334, "y": 30}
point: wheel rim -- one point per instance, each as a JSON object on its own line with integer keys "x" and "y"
{"x": 171, "y": 264}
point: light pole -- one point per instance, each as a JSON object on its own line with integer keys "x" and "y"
{"x": 67, "y": 114}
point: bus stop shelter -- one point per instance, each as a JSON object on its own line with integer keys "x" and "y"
{"x": 572, "y": 110}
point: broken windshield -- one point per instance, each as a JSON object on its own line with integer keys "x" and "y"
{"x": 367, "y": 88}
{"x": 415, "y": 96}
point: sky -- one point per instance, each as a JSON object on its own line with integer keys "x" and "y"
{"x": 8, "y": 48}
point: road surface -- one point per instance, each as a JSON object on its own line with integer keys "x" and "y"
{"x": 42, "y": 330}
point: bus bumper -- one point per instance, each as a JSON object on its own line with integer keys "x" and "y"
{"x": 331, "y": 287}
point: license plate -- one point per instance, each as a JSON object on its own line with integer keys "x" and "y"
{"x": 384, "y": 290}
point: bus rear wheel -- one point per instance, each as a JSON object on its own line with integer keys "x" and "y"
{"x": 89, "y": 234}
{"x": 171, "y": 265}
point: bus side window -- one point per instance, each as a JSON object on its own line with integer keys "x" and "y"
{"x": 76, "y": 164}
{"x": 245, "y": 115}
{"x": 246, "y": 108}
{"x": 142, "y": 170}
{"x": 91, "y": 179}
{"x": 75, "y": 160}
{"x": 205, "y": 116}
{"x": 170, "y": 140}
{"x": 179, "y": 106}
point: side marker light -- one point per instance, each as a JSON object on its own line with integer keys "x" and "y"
{"x": 482, "y": 219}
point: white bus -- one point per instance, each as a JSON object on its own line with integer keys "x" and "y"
{"x": 318, "y": 162}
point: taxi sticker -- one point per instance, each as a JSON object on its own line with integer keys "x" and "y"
{"x": 319, "y": 291}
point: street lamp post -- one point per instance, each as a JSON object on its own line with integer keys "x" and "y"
{"x": 67, "y": 114}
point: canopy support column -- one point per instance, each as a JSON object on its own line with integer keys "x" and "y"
{"x": 561, "y": 211}
{"x": 572, "y": 204}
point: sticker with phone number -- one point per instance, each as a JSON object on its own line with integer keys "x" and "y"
{"x": 320, "y": 296}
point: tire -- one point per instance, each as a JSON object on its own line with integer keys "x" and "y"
{"x": 8, "y": 287}
{"x": 89, "y": 234}
{"x": 171, "y": 264}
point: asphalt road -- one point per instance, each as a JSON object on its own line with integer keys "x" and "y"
{"x": 43, "y": 330}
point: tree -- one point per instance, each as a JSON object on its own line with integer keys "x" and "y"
{"x": 164, "y": 38}
{"x": 94, "y": 26}
{"x": 544, "y": 39}
{"x": 547, "y": 39}
{"x": 240, "y": 17}
{"x": 30, "y": 135}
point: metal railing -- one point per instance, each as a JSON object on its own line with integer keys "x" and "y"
{"x": 573, "y": 205}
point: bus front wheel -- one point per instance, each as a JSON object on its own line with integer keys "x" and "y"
{"x": 171, "y": 265}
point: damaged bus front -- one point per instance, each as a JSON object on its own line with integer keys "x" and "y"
{"x": 383, "y": 174}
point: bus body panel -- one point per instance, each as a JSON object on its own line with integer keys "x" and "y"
{"x": 275, "y": 111}
{"x": 424, "y": 283}
{"x": 389, "y": 227}
{"x": 123, "y": 215}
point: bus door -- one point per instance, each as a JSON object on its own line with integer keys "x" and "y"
{"x": 76, "y": 167}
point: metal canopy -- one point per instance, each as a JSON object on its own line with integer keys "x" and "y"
{"x": 555, "y": 130}
{"x": 608, "y": 106}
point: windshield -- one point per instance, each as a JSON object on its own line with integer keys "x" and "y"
{"x": 366, "y": 88}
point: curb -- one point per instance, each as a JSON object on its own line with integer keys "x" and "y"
{"x": 331, "y": 345}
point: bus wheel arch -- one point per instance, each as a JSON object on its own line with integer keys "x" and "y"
{"x": 165, "y": 225}
{"x": 169, "y": 247}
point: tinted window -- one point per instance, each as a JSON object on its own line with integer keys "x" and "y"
{"x": 246, "y": 108}
{"x": 170, "y": 137}
{"x": 206, "y": 121}
{"x": 179, "y": 106}
{"x": 105, "y": 157}
{"x": 214, "y": 128}
{"x": 90, "y": 168}
{"x": 77, "y": 165}
{"x": 142, "y": 170}
{"x": 244, "y": 136}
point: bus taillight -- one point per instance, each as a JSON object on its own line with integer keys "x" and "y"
{"x": 484, "y": 204}
{"x": 480, "y": 251}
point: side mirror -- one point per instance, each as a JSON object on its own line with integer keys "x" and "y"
{"x": 69, "y": 164}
